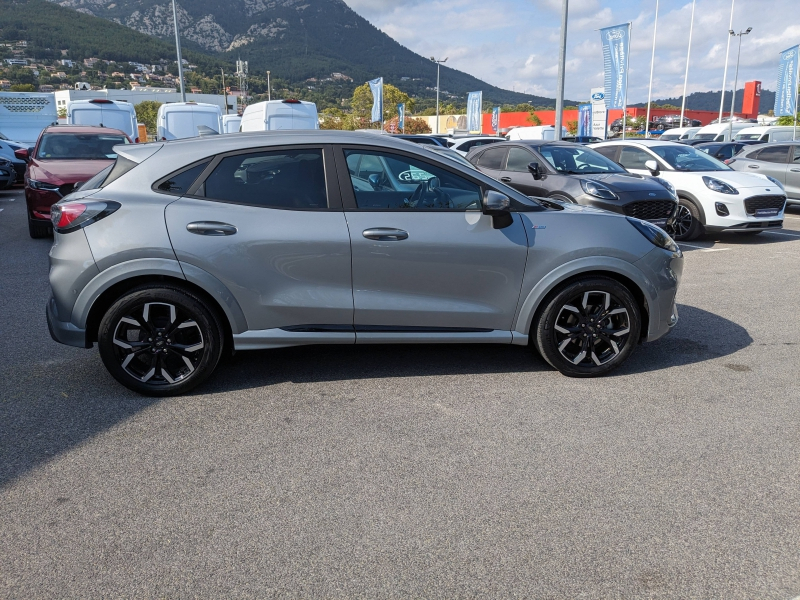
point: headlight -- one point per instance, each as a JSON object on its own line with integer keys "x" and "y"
{"x": 41, "y": 185}
{"x": 775, "y": 181}
{"x": 597, "y": 190}
{"x": 656, "y": 235}
{"x": 719, "y": 186}
{"x": 667, "y": 185}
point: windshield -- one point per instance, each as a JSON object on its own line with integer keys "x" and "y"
{"x": 688, "y": 158}
{"x": 577, "y": 160}
{"x": 2, "y": 137}
{"x": 747, "y": 136}
{"x": 670, "y": 136}
{"x": 451, "y": 154}
{"x": 705, "y": 136}
{"x": 79, "y": 146}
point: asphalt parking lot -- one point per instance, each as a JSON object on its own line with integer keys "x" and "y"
{"x": 414, "y": 471}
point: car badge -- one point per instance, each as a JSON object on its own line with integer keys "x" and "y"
{"x": 652, "y": 195}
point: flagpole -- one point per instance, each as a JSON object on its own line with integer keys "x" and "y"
{"x": 725, "y": 72}
{"x": 625, "y": 95}
{"x": 797, "y": 95}
{"x": 652, "y": 63}
{"x": 688, "y": 55}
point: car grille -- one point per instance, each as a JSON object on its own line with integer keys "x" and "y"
{"x": 650, "y": 210}
{"x": 66, "y": 188}
{"x": 20, "y": 169}
{"x": 751, "y": 205}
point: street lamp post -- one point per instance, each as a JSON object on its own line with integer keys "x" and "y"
{"x": 178, "y": 48}
{"x": 686, "y": 75}
{"x": 736, "y": 78}
{"x": 725, "y": 72}
{"x": 438, "y": 65}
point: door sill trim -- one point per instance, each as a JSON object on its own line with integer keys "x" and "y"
{"x": 265, "y": 339}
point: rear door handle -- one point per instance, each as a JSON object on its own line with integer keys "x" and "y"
{"x": 385, "y": 234}
{"x": 211, "y": 228}
{"x": 505, "y": 179}
{"x": 752, "y": 166}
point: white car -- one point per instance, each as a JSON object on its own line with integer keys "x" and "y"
{"x": 712, "y": 196}
{"x": 463, "y": 145}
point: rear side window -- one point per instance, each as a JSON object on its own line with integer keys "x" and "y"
{"x": 493, "y": 158}
{"x": 775, "y": 154}
{"x": 293, "y": 179}
{"x": 179, "y": 183}
{"x": 519, "y": 159}
{"x": 608, "y": 151}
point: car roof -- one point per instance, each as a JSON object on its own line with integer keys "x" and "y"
{"x": 81, "y": 129}
{"x": 641, "y": 142}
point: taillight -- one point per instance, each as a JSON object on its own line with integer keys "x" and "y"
{"x": 71, "y": 216}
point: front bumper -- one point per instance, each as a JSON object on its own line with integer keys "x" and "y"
{"x": 64, "y": 332}
{"x": 664, "y": 270}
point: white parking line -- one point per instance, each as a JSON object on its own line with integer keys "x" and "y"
{"x": 704, "y": 249}
{"x": 797, "y": 235}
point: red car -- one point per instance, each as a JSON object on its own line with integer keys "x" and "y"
{"x": 63, "y": 156}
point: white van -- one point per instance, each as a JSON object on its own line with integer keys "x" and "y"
{"x": 107, "y": 113}
{"x": 720, "y": 132}
{"x": 679, "y": 133}
{"x": 280, "y": 114}
{"x": 766, "y": 134}
{"x": 537, "y": 132}
{"x": 231, "y": 123}
{"x": 23, "y": 115}
{"x": 178, "y": 120}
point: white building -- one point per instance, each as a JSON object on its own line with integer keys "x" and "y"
{"x": 164, "y": 95}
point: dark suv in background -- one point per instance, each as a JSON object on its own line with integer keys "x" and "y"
{"x": 573, "y": 173}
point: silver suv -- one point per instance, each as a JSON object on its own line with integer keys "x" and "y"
{"x": 184, "y": 250}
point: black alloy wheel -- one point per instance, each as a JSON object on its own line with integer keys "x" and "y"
{"x": 686, "y": 225}
{"x": 160, "y": 341}
{"x": 588, "y": 328}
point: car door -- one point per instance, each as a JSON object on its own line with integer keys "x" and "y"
{"x": 492, "y": 161}
{"x": 793, "y": 174}
{"x": 424, "y": 256}
{"x": 772, "y": 161}
{"x": 517, "y": 175}
{"x": 268, "y": 223}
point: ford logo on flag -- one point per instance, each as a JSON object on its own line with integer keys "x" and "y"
{"x": 598, "y": 96}
{"x": 788, "y": 55}
{"x": 616, "y": 34}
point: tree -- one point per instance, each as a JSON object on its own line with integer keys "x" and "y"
{"x": 23, "y": 87}
{"x": 572, "y": 127}
{"x": 787, "y": 120}
{"x": 362, "y": 101}
{"x": 533, "y": 118}
{"x": 412, "y": 125}
{"x": 146, "y": 113}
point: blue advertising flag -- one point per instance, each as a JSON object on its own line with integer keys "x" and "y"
{"x": 496, "y": 119}
{"x": 401, "y": 116}
{"x": 474, "y": 106}
{"x": 616, "y": 46}
{"x": 584, "y": 120}
{"x": 376, "y": 87}
{"x": 786, "y": 95}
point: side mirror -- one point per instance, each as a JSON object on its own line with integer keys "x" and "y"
{"x": 77, "y": 186}
{"x": 497, "y": 206}
{"x": 375, "y": 180}
{"x": 22, "y": 154}
{"x": 652, "y": 166}
{"x": 434, "y": 183}
{"x": 535, "y": 171}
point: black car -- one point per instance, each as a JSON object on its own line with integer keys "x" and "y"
{"x": 724, "y": 150}
{"x": 427, "y": 140}
{"x": 573, "y": 173}
{"x": 673, "y": 121}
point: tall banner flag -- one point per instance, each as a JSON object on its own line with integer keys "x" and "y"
{"x": 786, "y": 95}
{"x": 584, "y": 120}
{"x": 401, "y": 117}
{"x": 599, "y": 113}
{"x": 376, "y": 87}
{"x": 474, "y": 116}
{"x": 496, "y": 119}
{"x": 616, "y": 45}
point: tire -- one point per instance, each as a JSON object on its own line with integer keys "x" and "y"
{"x": 572, "y": 339}
{"x": 160, "y": 340}
{"x": 39, "y": 229}
{"x": 687, "y": 225}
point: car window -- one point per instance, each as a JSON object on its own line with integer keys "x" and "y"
{"x": 492, "y": 158}
{"x": 519, "y": 159}
{"x": 577, "y": 160}
{"x": 796, "y": 155}
{"x": 483, "y": 142}
{"x": 608, "y": 151}
{"x": 633, "y": 158}
{"x": 181, "y": 182}
{"x": 687, "y": 158}
{"x": 277, "y": 179}
{"x": 774, "y": 154}
{"x": 396, "y": 182}
{"x": 79, "y": 146}
{"x": 726, "y": 152}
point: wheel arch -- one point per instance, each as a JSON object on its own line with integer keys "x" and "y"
{"x": 694, "y": 200}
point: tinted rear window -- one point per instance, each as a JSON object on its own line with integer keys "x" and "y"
{"x": 492, "y": 158}
{"x": 776, "y": 154}
{"x": 179, "y": 183}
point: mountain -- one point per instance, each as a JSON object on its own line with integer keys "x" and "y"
{"x": 710, "y": 101}
{"x": 296, "y": 40}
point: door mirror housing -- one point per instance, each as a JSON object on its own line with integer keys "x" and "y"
{"x": 22, "y": 153}
{"x": 535, "y": 170}
{"x": 652, "y": 166}
{"x": 497, "y": 206}
{"x": 375, "y": 180}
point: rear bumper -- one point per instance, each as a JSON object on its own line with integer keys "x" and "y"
{"x": 64, "y": 332}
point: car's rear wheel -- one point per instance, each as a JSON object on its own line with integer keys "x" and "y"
{"x": 160, "y": 340}
{"x": 588, "y": 328}
{"x": 39, "y": 229}
{"x": 686, "y": 225}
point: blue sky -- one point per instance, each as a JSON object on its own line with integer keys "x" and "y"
{"x": 514, "y": 43}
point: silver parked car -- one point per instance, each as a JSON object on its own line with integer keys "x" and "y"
{"x": 187, "y": 249}
{"x": 780, "y": 161}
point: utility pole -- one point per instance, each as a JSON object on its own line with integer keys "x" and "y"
{"x": 224, "y": 91}
{"x": 725, "y": 72}
{"x": 686, "y": 75}
{"x": 438, "y": 65}
{"x": 178, "y": 48}
{"x": 736, "y": 79}
{"x": 269, "y": 88}
{"x": 652, "y": 63}
{"x": 562, "y": 60}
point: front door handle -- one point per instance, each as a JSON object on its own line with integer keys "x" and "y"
{"x": 795, "y": 170}
{"x": 211, "y": 228}
{"x": 385, "y": 234}
{"x": 505, "y": 179}
{"x": 753, "y": 166}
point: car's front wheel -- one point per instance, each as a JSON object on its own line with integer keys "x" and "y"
{"x": 686, "y": 225}
{"x": 588, "y": 328}
{"x": 160, "y": 340}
